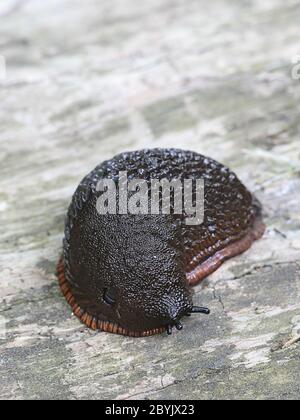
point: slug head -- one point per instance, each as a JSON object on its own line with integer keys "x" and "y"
{"x": 129, "y": 270}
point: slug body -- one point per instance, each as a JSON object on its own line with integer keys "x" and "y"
{"x": 132, "y": 274}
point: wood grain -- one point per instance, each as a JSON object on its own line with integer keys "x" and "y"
{"x": 86, "y": 80}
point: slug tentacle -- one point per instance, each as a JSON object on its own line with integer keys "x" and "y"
{"x": 199, "y": 310}
{"x": 169, "y": 329}
{"x": 178, "y": 326}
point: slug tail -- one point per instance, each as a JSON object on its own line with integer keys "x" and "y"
{"x": 239, "y": 247}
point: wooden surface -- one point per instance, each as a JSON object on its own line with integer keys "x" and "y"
{"x": 86, "y": 80}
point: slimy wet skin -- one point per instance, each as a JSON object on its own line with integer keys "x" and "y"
{"x": 132, "y": 274}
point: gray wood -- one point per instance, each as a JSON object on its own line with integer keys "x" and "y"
{"x": 86, "y": 80}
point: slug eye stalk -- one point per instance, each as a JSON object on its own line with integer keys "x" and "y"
{"x": 192, "y": 310}
{"x": 169, "y": 329}
{"x": 199, "y": 310}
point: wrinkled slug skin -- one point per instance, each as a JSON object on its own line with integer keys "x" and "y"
{"x": 132, "y": 274}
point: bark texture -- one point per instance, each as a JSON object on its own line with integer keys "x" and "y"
{"x": 86, "y": 80}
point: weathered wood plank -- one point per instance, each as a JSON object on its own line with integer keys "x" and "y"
{"x": 86, "y": 80}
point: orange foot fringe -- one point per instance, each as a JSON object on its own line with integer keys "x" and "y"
{"x": 237, "y": 248}
{"x": 94, "y": 322}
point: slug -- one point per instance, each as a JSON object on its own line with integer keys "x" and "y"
{"x": 132, "y": 274}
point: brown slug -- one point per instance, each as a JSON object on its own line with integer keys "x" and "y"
{"x": 132, "y": 274}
